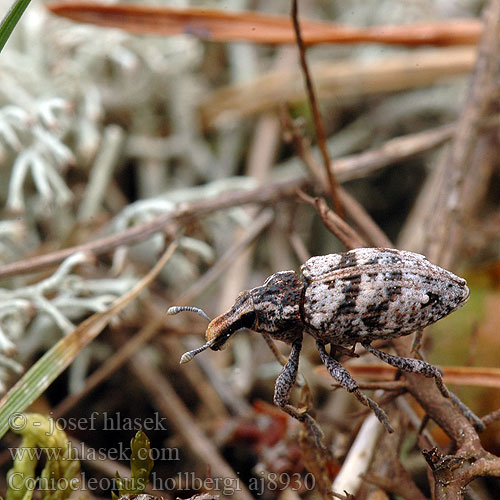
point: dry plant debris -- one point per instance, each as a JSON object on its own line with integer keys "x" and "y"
{"x": 114, "y": 146}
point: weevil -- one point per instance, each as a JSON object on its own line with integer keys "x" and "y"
{"x": 359, "y": 296}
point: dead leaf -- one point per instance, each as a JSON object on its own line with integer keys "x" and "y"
{"x": 219, "y": 26}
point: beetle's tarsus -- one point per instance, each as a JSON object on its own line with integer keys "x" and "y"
{"x": 468, "y": 413}
{"x": 438, "y": 378}
{"x": 314, "y": 429}
{"x": 379, "y": 413}
{"x": 305, "y": 418}
{"x": 344, "y": 378}
{"x": 284, "y": 383}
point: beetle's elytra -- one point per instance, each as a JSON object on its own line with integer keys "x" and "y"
{"x": 362, "y": 295}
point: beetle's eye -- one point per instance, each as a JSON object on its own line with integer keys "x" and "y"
{"x": 247, "y": 320}
{"x": 430, "y": 298}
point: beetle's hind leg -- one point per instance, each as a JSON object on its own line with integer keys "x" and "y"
{"x": 344, "y": 378}
{"x": 283, "y": 387}
{"x": 411, "y": 365}
{"x": 424, "y": 368}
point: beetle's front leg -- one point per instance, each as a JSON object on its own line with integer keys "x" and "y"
{"x": 344, "y": 378}
{"x": 285, "y": 381}
{"x": 283, "y": 387}
{"x": 411, "y": 365}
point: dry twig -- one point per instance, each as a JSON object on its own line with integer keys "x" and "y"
{"x": 337, "y": 80}
{"x": 261, "y": 195}
{"x": 334, "y": 223}
{"x": 318, "y": 122}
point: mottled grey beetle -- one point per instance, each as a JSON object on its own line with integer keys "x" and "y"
{"x": 362, "y": 295}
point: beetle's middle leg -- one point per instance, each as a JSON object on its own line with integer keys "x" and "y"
{"x": 411, "y": 365}
{"x": 344, "y": 378}
{"x": 283, "y": 387}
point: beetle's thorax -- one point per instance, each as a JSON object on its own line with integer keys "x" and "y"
{"x": 272, "y": 308}
{"x": 277, "y": 306}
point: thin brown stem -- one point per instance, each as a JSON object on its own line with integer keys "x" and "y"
{"x": 274, "y": 349}
{"x": 334, "y": 223}
{"x": 318, "y": 122}
{"x": 260, "y": 195}
{"x": 491, "y": 418}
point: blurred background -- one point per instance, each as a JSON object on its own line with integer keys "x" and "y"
{"x": 102, "y": 130}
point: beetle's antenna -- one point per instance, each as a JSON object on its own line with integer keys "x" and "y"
{"x": 177, "y": 309}
{"x": 188, "y": 356}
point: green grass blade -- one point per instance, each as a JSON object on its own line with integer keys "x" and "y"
{"x": 11, "y": 19}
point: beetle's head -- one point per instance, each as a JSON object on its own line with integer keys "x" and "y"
{"x": 241, "y": 315}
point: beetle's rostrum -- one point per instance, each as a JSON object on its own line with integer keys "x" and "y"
{"x": 362, "y": 295}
